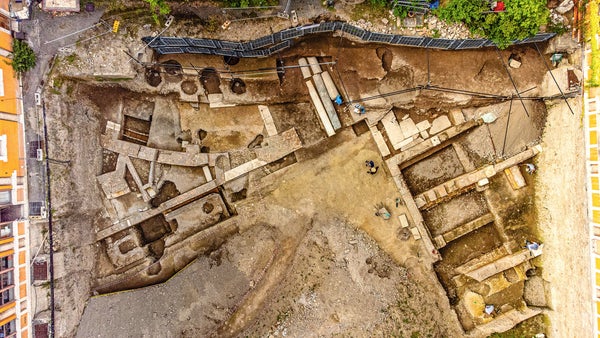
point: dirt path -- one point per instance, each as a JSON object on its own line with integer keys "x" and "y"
{"x": 560, "y": 199}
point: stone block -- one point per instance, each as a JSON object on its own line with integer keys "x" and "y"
{"x": 304, "y": 68}
{"x": 415, "y": 232}
{"x": 420, "y": 202}
{"x": 450, "y": 186}
{"x": 383, "y": 148}
{"x": 423, "y": 125}
{"x": 430, "y": 195}
{"x": 439, "y": 242}
{"x": 412, "y": 144}
{"x": 489, "y": 171}
{"x": 435, "y": 141}
{"x": 424, "y": 134}
{"x": 408, "y": 127}
{"x": 456, "y": 117}
{"x": 462, "y": 182}
{"x": 440, "y": 191}
{"x": 440, "y": 124}
{"x": 512, "y": 63}
{"x": 403, "y": 143}
{"x": 314, "y": 65}
{"x": 403, "y": 220}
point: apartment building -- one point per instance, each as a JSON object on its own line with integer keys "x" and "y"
{"x": 14, "y": 241}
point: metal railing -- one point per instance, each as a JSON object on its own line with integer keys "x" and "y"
{"x": 276, "y": 42}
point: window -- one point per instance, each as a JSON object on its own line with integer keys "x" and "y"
{"x": 6, "y": 230}
{"x": 8, "y": 330}
{"x": 5, "y": 197}
{"x": 7, "y": 296}
{"x": 6, "y": 262}
{"x": 7, "y": 279}
{"x": 3, "y": 149}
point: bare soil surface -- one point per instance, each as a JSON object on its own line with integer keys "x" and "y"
{"x": 323, "y": 273}
{"x": 561, "y": 207}
{"x": 311, "y": 257}
{"x": 459, "y": 210}
{"x": 432, "y": 171}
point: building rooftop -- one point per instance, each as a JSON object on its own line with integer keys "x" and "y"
{"x": 61, "y": 5}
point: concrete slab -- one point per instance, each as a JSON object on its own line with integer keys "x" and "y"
{"x": 500, "y": 265}
{"x": 403, "y": 220}
{"x": 321, "y": 113}
{"x": 440, "y": 191}
{"x": 440, "y": 124}
{"x": 330, "y": 85}
{"x": 305, "y": 69}
{"x": 413, "y": 143}
{"x": 207, "y": 174}
{"x": 383, "y": 148}
{"x": 315, "y": 67}
{"x": 408, "y": 127}
{"x": 392, "y": 129}
{"x": 61, "y": 5}
{"x": 144, "y": 215}
{"x": 265, "y": 113}
{"x": 423, "y": 125}
{"x": 430, "y": 195}
{"x": 456, "y": 117}
{"x": 279, "y": 146}
{"x": 515, "y": 177}
{"x": 243, "y": 169}
{"x": 415, "y": 232}
{"x": 327, "y": 103}
{"x": 113, "y": 184}
{"x": 404, "y": 143}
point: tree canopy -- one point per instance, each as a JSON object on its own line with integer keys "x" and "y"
{"x": 23, "y": 57}
{"x": 521, "y": 19}
{"x": 158, "y": 7}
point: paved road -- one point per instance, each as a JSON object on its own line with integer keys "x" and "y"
{"x": 43, "y": 27}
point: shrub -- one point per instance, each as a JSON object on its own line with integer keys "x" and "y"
{"x": 23, "y": 57}
{"x": 469, "y": 12}
{"x": 158, "y": 7}
{"x": 521, "y": 19}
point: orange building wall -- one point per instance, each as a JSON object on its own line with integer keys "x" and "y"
{"x": 5, "y": 40}
{"x": 11, "y": 130}
{"x": 8, "y": 102}
{"x": 22, "y": 291}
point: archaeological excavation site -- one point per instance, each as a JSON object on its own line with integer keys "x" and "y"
{"x": 316, "y": 183}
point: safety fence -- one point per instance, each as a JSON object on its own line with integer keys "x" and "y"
{"x": 276, "y": 42}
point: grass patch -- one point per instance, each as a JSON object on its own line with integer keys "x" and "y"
{"x": 367, "y": 11}
{"x": 57, "y": 84}
{"x": 527, "y": 328}
{"x": 71, "y": 58}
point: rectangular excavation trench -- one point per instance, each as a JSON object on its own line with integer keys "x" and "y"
{"x": 433, "y": 170}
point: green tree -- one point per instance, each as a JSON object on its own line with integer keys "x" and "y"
{"x": 470, "y": 12}
{"x": 23, "y": 57}
{"x": 158, "y": 7}
{"x": 521, "y": 18}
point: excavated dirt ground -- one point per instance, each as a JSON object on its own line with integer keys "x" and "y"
{"x": 311, "y": 259}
